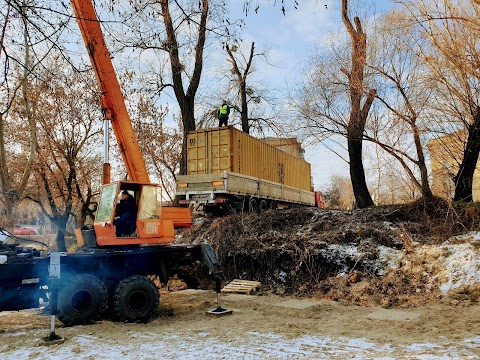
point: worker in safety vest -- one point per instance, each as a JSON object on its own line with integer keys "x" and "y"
{"x": 222, "y": 114}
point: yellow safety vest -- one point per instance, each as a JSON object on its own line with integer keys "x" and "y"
{"x": 224, "y": 110}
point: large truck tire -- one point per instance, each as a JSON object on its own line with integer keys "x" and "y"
{"x": 135, "y": 299}
{"x": 262, "y": 206}
{"x": 81, "y": 300}
{"x": 252, "y": 206}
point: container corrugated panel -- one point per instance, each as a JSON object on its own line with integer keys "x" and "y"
{"x": 213, "y": 151}
{"x": 289, "y": 145}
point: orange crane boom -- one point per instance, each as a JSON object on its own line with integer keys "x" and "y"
{"x": 153, "y": 224}
{"x": 113, "y": 104}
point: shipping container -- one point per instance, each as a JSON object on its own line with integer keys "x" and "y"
{"x": 289, "y": 145}
{"x": 228, "y": 169}
{"x": 216, "y": 150}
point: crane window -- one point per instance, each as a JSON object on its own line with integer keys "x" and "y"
{"x": 107, "y": 202}
{"x": 148, "y": 203}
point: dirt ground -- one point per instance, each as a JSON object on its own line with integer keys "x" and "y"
{"x": 261, "y": 327}
{"x": 389, "y": 282}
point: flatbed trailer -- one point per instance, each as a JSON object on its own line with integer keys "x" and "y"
{"x": 94, "y": 279}
{"x": 237, "y": 191}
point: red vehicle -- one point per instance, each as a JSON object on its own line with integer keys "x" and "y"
{"x": 22, "y": 230}
{"x": 319, "y": 200}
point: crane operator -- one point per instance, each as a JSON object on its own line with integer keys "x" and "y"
{"x": 125, "y": 215}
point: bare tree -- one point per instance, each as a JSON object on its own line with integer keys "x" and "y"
{"x": 358, "y": 112}
{"x": 161, "y": 145}
{"x": 241, "y": 75}
{"x": 255, "y": 102}
{"x": 68, "y": 131}
{"x": 185, "y": 99}
{"x": 177, "y": 43}
{"x": 242, "y": 83}
{"x": 12, "y": 191}
{"x": 452, "y": 29}
{"x": 29, "y": 33}
{"x": 404, "y": 94}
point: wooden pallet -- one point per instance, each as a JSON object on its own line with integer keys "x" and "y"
{"x": 242, "y": 287}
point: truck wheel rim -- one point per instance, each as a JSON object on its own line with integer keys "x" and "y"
{"x": 137, "y": 301}
{"x": 81, "y": 301}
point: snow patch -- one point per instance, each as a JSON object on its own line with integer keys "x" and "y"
{"x": 388, "y": 258}
{"x": 462, "y": 266}
{"x": 20, "y": 333}
{"x": 453, "y": 264}
{"x": 254, "y": 346}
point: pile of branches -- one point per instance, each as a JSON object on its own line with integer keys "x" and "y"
{"x": 304, "y": 250}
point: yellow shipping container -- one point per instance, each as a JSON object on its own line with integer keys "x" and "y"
{"x": 213, "y": 151}
{"x": 289, "y": 145}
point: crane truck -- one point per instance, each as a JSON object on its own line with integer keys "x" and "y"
{"x": 109, "y": 271}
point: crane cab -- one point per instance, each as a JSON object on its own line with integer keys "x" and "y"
{"x": 150, "y": 227}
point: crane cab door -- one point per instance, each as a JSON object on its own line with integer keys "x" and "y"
{"x": 149, "y": 220}
{"x": 151, "y": 228}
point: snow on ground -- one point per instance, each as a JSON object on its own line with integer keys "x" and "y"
{"x": 450, "y": 265}
{"x": 453, "y": 264}
{"x": 462, "y": 266}
{"x": 254, "y": 345}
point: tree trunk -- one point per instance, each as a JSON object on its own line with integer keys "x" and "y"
{"x": 358, "y": 113}
{"x": 244, "y": 112}
{"x": 355, "y": 144}
{"x": 5, "y": 181}
{"x": 10, "y": 206}
{"x": 357, "y": 174}
{"x": 61, "y": 224}
{"x": 186, "y": 100}
{"x": 464, "y": 178}
{"x": 426, "y": 191}
{"x": 188, "y": 122}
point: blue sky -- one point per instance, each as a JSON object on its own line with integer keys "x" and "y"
{"x": 292, "y": 38}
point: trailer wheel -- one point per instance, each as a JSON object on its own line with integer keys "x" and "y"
{"x": 252, "y": 206}
{"x": 82, "y": 300}
{"x": 135, "y": 299}
{"x": 262, "y": 206}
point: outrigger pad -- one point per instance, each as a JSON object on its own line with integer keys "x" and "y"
{"x": 219, "y": 311}
{"x": 52, "y": 339}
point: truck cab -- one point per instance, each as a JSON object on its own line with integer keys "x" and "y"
{"x": 151, "y": 226}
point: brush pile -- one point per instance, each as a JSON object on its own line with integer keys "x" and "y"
{"x": 389, "y": 255}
